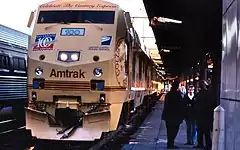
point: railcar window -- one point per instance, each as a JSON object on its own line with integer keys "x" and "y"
{"x": 152, "y": 75}
{"x": 146, "y": 74}
{"x": 19, "y": 64}
{"x": 4, "y": 62}
{"x": 143, "y": 67}
{"x": 140, "y": 67}
{"x": 133, "y": 67}
{"x": 76, "y": 16}
{"x": 126, "y": 61}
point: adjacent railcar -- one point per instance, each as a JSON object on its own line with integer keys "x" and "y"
{"x": 13, "y": 83}
{"x": 86, "y": 71}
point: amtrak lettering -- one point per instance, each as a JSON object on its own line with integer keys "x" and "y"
{"x": 69, "y": 5}
{"x": 67, "y": 74}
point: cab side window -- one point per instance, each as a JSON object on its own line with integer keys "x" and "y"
{"x": 4, "y": 62}
{"x": 19, "y": 64}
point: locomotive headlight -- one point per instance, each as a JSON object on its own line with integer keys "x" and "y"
{"x": 38, "y": 71}
{"x": 74, "y": 57}
{"x": 68, "y": 56}
{"x": 97, "y": 72}
{"x": 63, "y": 57}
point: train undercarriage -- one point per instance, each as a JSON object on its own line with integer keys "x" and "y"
{"x": 130, "y": 119}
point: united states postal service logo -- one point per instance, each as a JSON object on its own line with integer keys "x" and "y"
{"x": 44, "y": 42}
{"x": 106, "y": 40}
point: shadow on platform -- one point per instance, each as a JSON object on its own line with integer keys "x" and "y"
{"x": 151, "y": 135}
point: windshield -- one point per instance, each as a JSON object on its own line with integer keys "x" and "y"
{"x": 76, "y": 16}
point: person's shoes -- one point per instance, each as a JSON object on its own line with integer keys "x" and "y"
{"x": 188, "y": 143}
{"x": 172, "y": 147}
{"x": 176, "y": 147}
{"x": 198, "y": 146}
{"x": 207, "y": 148}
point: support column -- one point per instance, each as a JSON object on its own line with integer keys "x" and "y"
{"x": 216, "y": 75}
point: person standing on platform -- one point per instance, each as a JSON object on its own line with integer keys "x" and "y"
{"x": 182, "y": 90}
{"x": 203, "y": 110}
{"x": 189, "y": 100}
{"x": 172, "y": 114}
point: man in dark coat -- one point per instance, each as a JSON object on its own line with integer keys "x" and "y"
{"x": 172, "y": 113}
{"x": 189, "y": 101}
{"x": 203, "y": 109}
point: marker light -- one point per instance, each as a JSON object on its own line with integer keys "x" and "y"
{"x": 102, "y": 98}
{"x": 34, "y": 96}
{"x": 97, "y": 72}
{"x": 63, "y": 57}
{"x": 38, "y": 71}
{"x": 74, "y": 57}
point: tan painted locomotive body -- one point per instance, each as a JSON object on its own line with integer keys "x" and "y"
{"x": 89, "y": 64}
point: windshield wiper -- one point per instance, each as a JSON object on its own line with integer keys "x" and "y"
{"x": 87, "y": 21}
{"x": 52, "y": 25}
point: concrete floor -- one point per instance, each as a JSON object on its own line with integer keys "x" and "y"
{"x": 152, "y": 133}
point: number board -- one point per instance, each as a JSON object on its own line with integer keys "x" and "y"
{"x": 72, "y": 32}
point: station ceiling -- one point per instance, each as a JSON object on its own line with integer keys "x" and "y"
{"x": 188, "y": 42}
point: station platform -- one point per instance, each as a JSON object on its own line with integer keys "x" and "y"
{"x": 151, "y": 135}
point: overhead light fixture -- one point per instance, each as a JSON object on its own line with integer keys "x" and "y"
{"x": 165, "y": 20}
{"x": 210, "y": 66}
{"x": 166, "y": 50}
{"x": 197, "y": 78}
{"x": 161, "y": 68}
